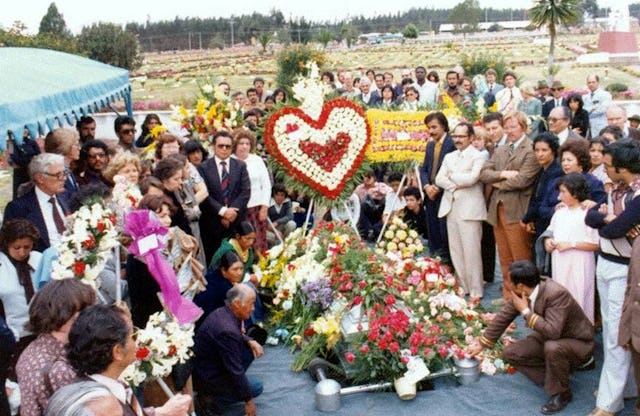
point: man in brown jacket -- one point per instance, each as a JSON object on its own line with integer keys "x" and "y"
{"x": 629, "y": 332}
{"x": 562, "y": 340}
{"x": 511, "y": 172}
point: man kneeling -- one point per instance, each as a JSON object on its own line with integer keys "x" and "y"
{"x": 223, "y": 353}
{"x": 562, "y": 339}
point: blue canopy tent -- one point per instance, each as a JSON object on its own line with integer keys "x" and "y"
{"x": 41, "y": 90}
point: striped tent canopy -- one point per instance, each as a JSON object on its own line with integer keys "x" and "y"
{"x": 41, "y": 90}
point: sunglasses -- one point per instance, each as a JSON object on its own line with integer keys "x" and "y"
{"x": 128, "y": 131}
{"x": 223, "y": 146}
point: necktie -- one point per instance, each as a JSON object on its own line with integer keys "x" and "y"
{"x": 436, "y": 158}
{"x": 71, "y": 179}
{"x": 491, "y": 88}
{"x": 57, "y": 219}
{"x": 224, "y": 183}
{"x": 511, "y": 149}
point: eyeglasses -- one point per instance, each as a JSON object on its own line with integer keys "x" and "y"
{"x": 128, "y": 131}
{"x": 59, "y": 175}
{"x": 97, "y": 156}
{"x": 223, "y": 146}
{"x": 459, "y": 136}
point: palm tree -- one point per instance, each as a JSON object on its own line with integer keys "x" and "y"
{"x": 551, "y": 13}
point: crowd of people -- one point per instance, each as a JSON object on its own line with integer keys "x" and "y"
{"x": 547, "y": 179}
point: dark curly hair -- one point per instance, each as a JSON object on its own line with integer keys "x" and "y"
{"x": 13, "y": 230}
{"x": 580, "y": 149}
{"x": 94, "y": 334}
{"x": 576, "y": 184}
{"x": 56, "y": 303}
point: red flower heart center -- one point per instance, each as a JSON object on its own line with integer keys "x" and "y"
{"x": 327, "y": 156}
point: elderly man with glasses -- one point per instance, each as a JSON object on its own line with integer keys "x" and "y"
{"x": 42, "y": 205}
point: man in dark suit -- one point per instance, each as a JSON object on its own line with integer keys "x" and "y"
{"x": 511, "y": 172}
{"x": 557, "y": 100}
{"x": 562, "y": 338}
{"x": 368, "y": 97}
{"x": 229, "y": 189}
{"x": 223, "y": 353}
{"x": 440, "y": 144}
{"x": 42, "y": 204}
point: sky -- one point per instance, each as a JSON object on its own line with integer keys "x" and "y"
{"x": 82, "y": 13}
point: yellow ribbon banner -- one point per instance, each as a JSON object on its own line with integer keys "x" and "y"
{"x": 397, "y": 136}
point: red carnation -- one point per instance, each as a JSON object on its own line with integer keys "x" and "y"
{"x": 172, "y": 350}
{"x": 142, "y": 353}
{"x": 90, "y": 242}
{"x": 78, "y": 268}
{"x": 390, "y": 300}
{"x": 350, "y": 357}
{"x": 309, "y": 332}
{"x": 100, "y": 226}
{"x": 511, "y": 370}
{"x": 364, "y": 348}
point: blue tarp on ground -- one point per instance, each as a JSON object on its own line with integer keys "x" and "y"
{"x": 41, "y": 90}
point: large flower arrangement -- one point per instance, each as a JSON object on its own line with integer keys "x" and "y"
{"x": 87, "y": 244}
{"x": 388, "y": 309}
{"x": 209, "y": 117}
{"x": 318, "y": 148}
{"x": 162, "y": 344}
{"x": 125, "y": 195}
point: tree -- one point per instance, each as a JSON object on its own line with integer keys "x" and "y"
{"x": 410, "y": 31}
{"x": 349, "y": 34}
{"x": 324, "y": 37}
{"x": 53, "y": 23}
{"x": 108, "y": 43}
{"x": 551, "y": 13}
{"x": 264, "y": 40}
{"x": 465, "y": 16}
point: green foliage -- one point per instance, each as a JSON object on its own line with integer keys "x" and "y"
{"x": 495, "y": 28}
{"x": 617, "y": 87}
{"x": 43, "y": 40}
{"x": 465, "y": 16}
{"x": 216, "y": 42}
{"x": 410, "y": 31}
{"x": 53, "y": 23}
{"x": 324, "y": 37}
{"x": 349, "y": 34}
{"x": 264, "y": 39}
{"x": 291, "y": 63}
{"x": 109, "y": 43}
{"x": 477, "y": 63}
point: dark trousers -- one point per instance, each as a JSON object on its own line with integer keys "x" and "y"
{"x": 488, "y": 250}
{"x": 548, "y": 363}
{"x": 437, "y": 230}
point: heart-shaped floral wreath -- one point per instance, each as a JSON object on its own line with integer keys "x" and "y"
{"x": 321, "y": 155}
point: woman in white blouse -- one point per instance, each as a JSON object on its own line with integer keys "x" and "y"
{"x": 244, "y": 144}
{"x": 18, "y": 262}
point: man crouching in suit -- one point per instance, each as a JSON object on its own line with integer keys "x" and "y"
{"x": 562, "y": 340}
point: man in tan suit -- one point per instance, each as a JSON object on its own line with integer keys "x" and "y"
{"x": 511, "y": 172}
{"x": 562, "y": 338}
{"x": 629, "y": 334}
{"x": 464, "y": 206}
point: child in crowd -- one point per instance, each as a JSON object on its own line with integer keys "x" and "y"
{"x": 572, "y": 243}
{"x": 281, "y": 215}
{"x": 596, "y": 146}
{"x": 414, "y": 213}
{"x": 394, "y": 201}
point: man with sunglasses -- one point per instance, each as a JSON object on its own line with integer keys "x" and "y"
{"x": 125, "y": 128}
{"x": 94, "y": 158}
{"x": 556, "y": 100}
{"x": 42, "y": 204}
{"x": 229, "y": 189}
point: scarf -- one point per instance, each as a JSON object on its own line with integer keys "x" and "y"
{"x": 24, "y": 275}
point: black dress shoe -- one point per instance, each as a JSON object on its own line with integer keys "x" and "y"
{"x": 556, "y": 403}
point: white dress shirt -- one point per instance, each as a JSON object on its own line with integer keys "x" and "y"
{"x": 260, "y": 181}
{"x": 13, "y": 296}
{"x": 47, "y": 213}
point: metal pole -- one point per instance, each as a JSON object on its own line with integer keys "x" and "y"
{"x": 231, "y": 22}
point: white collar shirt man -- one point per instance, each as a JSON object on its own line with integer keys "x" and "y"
{"x": 47, "y": 214}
